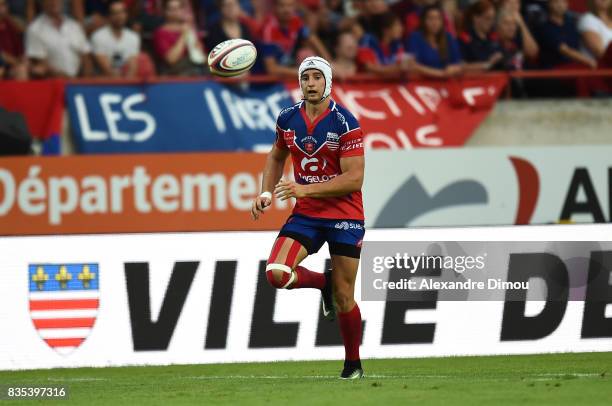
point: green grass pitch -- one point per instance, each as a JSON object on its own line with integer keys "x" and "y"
{"x": 551, "y": 379}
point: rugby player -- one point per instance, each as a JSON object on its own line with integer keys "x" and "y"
{"x": 326, "y": 148}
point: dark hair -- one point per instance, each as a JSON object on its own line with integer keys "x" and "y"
{"x": 441, "y": 39}
{"x": 382, "y": 22}
{"x": 477, "y": 9}
{"x": 591, "y": 5}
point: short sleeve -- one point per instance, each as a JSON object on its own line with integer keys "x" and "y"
{"x": 351, "y": 143}
{"x": 134, "y": 46}
{"x": 351, "y": 135}
{"x": 35, "y": 48}
{"x": 280, "y": 132}
{"x": 280, "y": 139}
{"x": 80, "y": 40}
{"x": 588, "y": 22}
{"x": 98, "y": 45}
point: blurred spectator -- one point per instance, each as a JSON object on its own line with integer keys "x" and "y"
{"x": 256, "y": 19}
{"x": 11, "y": 44}
{"x": 56, "y": 44}
{"x": 228, "y": 26}
{"x": 413, "y": 18}
{"x": 435, "y": 50}
{"x": 330, "y": 20}
{"x": 18, "y": 11}
{"x": 116, "y": 47}
{"x": 176, "y": 43}
{"x": 96, "y": 13}
{"x": 479, "y": 45}
{"x": 345, "y": 64}
{"x": 286, "y": 40}
{"x": 383, "y": 54}
{"x": 211, "y": 10}
{"x": 596, "y": 28}
{"x": 72, "y": 8}
{"x": 559, "y": 38}
{"x": 366, "y": 11}
{"x": 510, "y": 15}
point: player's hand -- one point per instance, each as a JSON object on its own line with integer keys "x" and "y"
{"x": 259, "y": 205}
{"x": 286, "y": 189}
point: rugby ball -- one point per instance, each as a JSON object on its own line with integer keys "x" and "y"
{"x": 232, "y": 57}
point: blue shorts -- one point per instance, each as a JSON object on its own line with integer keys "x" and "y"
{"x": 344, "y": 237}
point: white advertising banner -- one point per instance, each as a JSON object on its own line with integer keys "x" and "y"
{"x": 155, "y": 299}
{"x": 488, "y": 186}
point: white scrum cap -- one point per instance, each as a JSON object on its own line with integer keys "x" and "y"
{"x": 320, "y": 64}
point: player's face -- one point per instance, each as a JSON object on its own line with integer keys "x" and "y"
{"x": 313, "y": 85}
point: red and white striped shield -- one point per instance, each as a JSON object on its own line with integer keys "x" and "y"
{"x": 64, "y": 301}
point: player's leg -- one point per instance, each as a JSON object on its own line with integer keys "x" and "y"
{"x": 286, "y": 254}
{"x": 345, "y": 249}
{"x": 297, "y": 239}
{"x": 349, "y": 316}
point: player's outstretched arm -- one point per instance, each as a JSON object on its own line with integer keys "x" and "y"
{"x": 273, "y": 170}
{"x": 349, "y": 181}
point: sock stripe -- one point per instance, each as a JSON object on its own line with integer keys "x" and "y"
{"x": 293, "y": 251}
{"x": 277, "y": 247}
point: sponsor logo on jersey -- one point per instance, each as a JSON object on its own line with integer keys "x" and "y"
{"x": 352, "y": 144}
{"x": 316, "y": 178}
{"x": 312, "y": 164}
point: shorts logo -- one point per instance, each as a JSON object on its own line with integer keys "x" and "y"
{"x": 63, "y": 302}
{"x": 333, "y": 141}
{"x": 345, "y": 225}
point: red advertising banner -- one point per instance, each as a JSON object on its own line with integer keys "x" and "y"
{"x": 420, "y": 114}
{"x": 41, "y": 102}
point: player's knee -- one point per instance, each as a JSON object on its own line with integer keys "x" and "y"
{"x": 344, "y": 300}
{"x": 279, "y": 276}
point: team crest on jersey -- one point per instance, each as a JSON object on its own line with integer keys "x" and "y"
{"x": 310, "y": 143}
{"x": 333, "y": 141}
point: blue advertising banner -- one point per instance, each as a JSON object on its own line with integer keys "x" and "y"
{"x": 174, "y": 117}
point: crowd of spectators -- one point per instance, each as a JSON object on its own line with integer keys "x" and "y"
{"x": 389, "y": 38}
